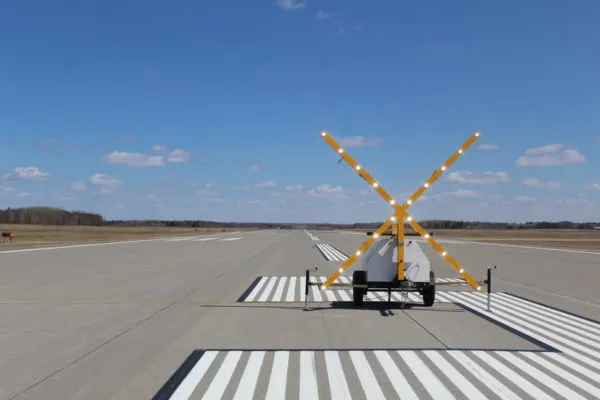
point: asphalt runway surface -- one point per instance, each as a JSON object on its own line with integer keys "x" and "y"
{"x": 222, "y": 317}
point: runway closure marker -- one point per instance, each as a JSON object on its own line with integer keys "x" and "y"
{"x": 401, "y": 215}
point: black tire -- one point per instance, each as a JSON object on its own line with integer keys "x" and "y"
{"x": 429, "y": 291}
{"x": 359, "y": 278}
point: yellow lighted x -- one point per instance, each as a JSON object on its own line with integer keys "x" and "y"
{"x": 401, "y": 210}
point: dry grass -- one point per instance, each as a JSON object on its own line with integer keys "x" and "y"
{"x": 40, "y": 235}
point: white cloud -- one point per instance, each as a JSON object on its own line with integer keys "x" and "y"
{"x": 524, "y": 199}
{"x": 26, "y": 173}
{"x": 78, "y": 186}
{"x": 178, "y": 156}
{"x": 294, "y": 188}
{"x": 269, "y": 184}
{"x": 104, "y": 191}
{"x": 550, "y": 155}
{"x": 360, "y": 141}
{"x": 322, "y": 15}
{"x": 459, "y": 193}
{"x": 593, "y": 186}
{"x": 536, "y": 183}
{"x": 103, "y": 179}
{"x": 48, "y": 142}
{"x": 290, "y": 4}
{"x": 327, "y": 190}
{"x": 207, "y": 192}
{"x": 488, "y": 147}
{"x": 133, "y": 159}
{"x": 486, "y": 178}
{"x": 550, "y": 148}
{"x": 210, "y": 185}
{"x": 254, "y": 168}
{"x": 159, "y": 147}
{"x": 8, "y": 191}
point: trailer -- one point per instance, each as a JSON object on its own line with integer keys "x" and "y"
{"x": 392, "y": 260}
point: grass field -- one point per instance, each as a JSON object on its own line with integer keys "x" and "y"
{"x": 40, "y": 235}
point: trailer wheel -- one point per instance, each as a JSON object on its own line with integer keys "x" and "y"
{"x": 429, "y": 291}
{"x": 359, "y": 278}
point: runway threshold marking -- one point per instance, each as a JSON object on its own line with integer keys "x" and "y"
{"x": 567, "y": 367}
{"x": 331, "y": 253}
{"x": 291, "y": 289}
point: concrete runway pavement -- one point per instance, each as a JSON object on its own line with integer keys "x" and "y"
{"x": 223, "y": 318}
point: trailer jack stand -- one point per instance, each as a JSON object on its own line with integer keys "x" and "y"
{"x": 307, "y": 287}
{"x": 488, "y": 282}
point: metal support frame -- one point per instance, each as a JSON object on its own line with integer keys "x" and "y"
{"x": 307, "y": 286}
{"x": 488, "y": 282}
{"x": 401, "y": 214}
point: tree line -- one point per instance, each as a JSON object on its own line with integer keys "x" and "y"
{"x": 57, "y": 216}
{"x": 49, "y": 216}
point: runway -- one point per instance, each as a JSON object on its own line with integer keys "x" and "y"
{"x": 222, "y": 317}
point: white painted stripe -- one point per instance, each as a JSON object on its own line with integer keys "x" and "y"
{"x": 308, "y": 376}
{"x": 415, "y": 298}
{"x": 279, "y": 291}
{"x": 365, "y": 375}
{"x": 203, "y": 239}
{"x": 256, "y": 289}
{"x": 315, "y": 291}
{"x": 397, "y": 379}
{"x": 580, "y": 383}
{"x": 247, "y": 384}
{"x": 328, "y": 292}
{"x": 220, "y": 381}
{"x": 278, "y": 379}
{"x": 575, "y": 320}
{"x": 564, "y": 329}
{"x": 430, "y": 382}
{"x": 484, "y": 377}
{"x": 521, "y": 325}
{"x": 575, "y": 366}
{"x": 455, "y": 377}
{"x": 291, "y": 292}
{"x": 74, "y": 246}
{"x": 338, "y": 253}
{"x": 337, "y": 380}
{"x": 325, "y": 250}
{"x": 540, "y": 376}
{"x": 231, "y": 239}
{"x": 186, "y": 388}
{"x": 302, "y": 288}
{"x": 331, "y": 254}
{"x": 265, "y": 295}
{"x": 511, "y": 375}
{"x": 344, "y": 295}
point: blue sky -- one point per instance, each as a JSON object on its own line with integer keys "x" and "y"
{"x": 212, "y": 110}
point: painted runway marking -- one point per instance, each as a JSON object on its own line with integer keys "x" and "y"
{"x": 563, "y": 369}
{"x": 203, "y": 239}
{"x": 76, "y": 246}
{"x": 331, "y": 253}
{"x": 312, "y": 237}
{"x": 284, "y": 289}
